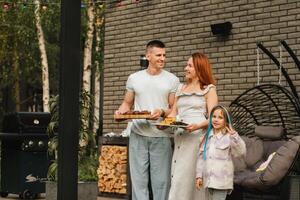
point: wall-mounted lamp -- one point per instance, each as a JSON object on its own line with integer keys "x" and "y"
{"x": 143, "y": 62}
{"x": 222, "y": 29}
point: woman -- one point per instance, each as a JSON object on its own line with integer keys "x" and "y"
{"x": 193, "y": 101}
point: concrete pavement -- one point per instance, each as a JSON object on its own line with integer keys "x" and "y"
{"x": 14, "y": 197}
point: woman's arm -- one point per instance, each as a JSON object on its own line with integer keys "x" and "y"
{"x": 199, "y": 165}
{"x": 211, "y": 101}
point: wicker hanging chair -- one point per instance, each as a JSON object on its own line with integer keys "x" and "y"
{"x": 266, "y": 104}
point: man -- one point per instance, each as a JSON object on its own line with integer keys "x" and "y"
{"x": 150, "y": 151}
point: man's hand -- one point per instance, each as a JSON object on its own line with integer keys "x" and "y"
{"x": 199, "y": 183}
{"x": 118, "y": 112}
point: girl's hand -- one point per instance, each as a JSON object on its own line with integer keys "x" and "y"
{"x": 192, "y": 127}
{"x": 199, "y": 183}
{"x": 230, "y": 130}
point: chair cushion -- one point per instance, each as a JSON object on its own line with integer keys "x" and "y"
{"x": 271, "y": 146}
{"x": 254, "y": 152}
{"x": 239, "y": 164}
{"x": 280, "y": 163}
{"x": 276, "y": 169}
{"x": 269, "y": 132}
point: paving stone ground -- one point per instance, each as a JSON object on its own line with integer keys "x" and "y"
{"x": 14, "y": 197}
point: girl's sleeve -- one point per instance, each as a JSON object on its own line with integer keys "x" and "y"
{"x": 200, "y": 165}
{"x": 238, "y": 146}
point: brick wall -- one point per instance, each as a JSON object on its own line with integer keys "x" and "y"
{"x": 184, "y": 26}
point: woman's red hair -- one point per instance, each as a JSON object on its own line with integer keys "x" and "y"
{"x": 203, "y": 69}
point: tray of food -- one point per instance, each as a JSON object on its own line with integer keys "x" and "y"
{"x": 171, "y": 122}
{"x": 133, "y": 114}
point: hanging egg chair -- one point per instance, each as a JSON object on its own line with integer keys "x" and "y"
{"x": 266, "y": 104}
{"x": 267, "y": 117}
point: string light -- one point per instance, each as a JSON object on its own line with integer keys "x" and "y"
{"x": 26, "y": 2}
{"x": 119, "y": 3}
{"x": 45, "y": 4}
{"x": 5, "y": 6}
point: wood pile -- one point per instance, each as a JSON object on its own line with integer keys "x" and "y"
{"x": 112, "y": 171}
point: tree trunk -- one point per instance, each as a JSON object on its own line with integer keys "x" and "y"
{"x": 44, "y": 61}
{"x": 16, "y": 71}
{"x": 97, "y": 80}
{"x": 87, "y": 59}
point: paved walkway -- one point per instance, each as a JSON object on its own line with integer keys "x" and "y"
{"x": 13, "y": 197}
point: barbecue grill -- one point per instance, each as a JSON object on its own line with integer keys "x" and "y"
{"x": 24, "y": 163}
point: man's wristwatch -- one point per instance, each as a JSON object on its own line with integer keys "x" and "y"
{"x": 162, "y": 114}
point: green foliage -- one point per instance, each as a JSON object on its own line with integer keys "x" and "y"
{"x": 87, "y": 168}
{"x": 87, "y": 153}
{"x": 17, "y": 34}
{"x": 19, "y": 44}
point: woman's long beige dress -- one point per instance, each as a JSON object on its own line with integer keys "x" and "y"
{"x": 191, "y": 109}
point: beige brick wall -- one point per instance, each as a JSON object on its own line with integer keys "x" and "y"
{"x": 184, "y": 26}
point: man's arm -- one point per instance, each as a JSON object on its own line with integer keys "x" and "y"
{"x": 164, "y": 112}
{"x": 173, "y": 110}
{"x": 127, "y": 103}
{"x": 172, "y": 105}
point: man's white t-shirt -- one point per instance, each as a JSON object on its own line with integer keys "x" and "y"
{"x": 151, "y": 92}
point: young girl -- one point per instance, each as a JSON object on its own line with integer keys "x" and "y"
{"x": 214, "y": 164}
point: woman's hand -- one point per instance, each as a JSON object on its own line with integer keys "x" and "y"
{"x": 192, "y": 127}
{"x": 156, "y": 114}
{"x": 199, "y": 183}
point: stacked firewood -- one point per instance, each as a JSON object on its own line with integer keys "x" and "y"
{"x": 112, "y": 171}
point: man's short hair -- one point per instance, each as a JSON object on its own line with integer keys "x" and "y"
{"x": 155, "y": 43}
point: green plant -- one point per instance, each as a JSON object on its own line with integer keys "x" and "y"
{"x": 87, "y": 156}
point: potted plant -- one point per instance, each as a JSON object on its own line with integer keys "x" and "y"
{"x": 87, "y": 156}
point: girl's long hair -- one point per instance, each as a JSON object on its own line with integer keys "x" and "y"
{"x": 228, "y": 123}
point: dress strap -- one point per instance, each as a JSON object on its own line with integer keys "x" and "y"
{"x": 179, "y": 89}
{"x": 207, "y": 88}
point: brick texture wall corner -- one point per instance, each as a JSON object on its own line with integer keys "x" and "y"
{"x": 185, "y": 28}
